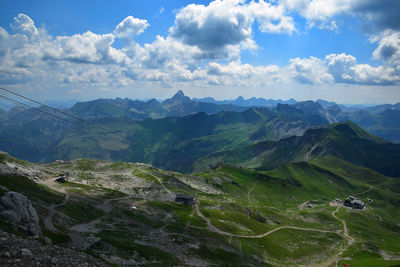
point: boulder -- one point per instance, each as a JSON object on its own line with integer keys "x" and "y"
{"x": 26, "y": 252}
{"x": 6, "y": 255}
{"x": 18, "y": 210}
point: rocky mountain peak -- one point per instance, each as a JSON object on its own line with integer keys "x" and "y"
{"x": 177, "y": 98}
{"x": 178, "y": 95}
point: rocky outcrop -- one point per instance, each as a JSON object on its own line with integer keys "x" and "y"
{"x": 15, "y": 169}
{"x": 18, "y": 251}
{"x": 18, "y": 210}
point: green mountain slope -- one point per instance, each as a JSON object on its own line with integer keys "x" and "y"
{"x": 385, "y": 124}
{"x": 165, "y": 142}
{"x": 101, "y": 108}
{"x": 343, "y": 140}
{"x": 174, "y": 143}
{"x": 28, "y": 135}
{"x": 124, "y": 213}
{"x": 309, "y": 111}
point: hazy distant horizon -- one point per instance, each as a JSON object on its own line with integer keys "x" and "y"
{"x": 46, "y": 101}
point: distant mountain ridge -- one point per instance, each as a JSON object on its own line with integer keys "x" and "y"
{"x": 345, "y": 140}
{"x": 381, "y": 120}
{"x": 253, "y": 101}
{"x": 381, "y": 108}
{"x": 177, "y": 106}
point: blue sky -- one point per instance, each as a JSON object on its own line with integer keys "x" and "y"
{"x": 342, "y": 50}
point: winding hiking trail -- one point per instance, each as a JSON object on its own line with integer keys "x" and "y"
{"x": 216, "y": 230}
{"x": 48, "y": 221}
{"x": 159, "y": 180}
{"x": 251, "y": 189}
{"x": 332, "y": 260}
{"x": 350, "y": 239}
{"x": 366, "y": 191}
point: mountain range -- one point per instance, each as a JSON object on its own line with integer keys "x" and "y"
{"x": 185, "y": 183}
{"x": 177, "y": 106}
{"x": 381, "y": 120}
{"x": 251, "y": 102}
{"x": 186, "y": 140}
{"x": 343, "y": 140}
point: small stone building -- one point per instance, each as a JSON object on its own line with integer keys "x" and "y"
{"x": 60, "y": 178}
{"x": 354, "y": 203}
{"x": 187, "y": 200}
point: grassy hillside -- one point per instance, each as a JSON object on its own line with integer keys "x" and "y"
{"x": 173, "y": 143}
{"x": 27, "y": 136}
{"x": 125, "y": 213}
{"x": 281, "y": 192}
{"x": 385, "y": 124}
{"x": 343, "y": 140}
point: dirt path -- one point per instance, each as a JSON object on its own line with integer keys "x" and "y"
{"x": 48, "y": 221}
{"x": 159, "y": 180}
{"x": 301, "y": 206}
{"x": 350, "y": 239}
{"x": 251, "y": 189}
{"x": 216, "y": 230}
{"x": 369, "y": 189}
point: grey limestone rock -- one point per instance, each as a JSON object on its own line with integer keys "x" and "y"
{"x": 16, "y": 208}
{"x": 26, "y": 252}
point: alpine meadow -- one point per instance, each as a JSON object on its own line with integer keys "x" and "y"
{"x": 200, "y": 133}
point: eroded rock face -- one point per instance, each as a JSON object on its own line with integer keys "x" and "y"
{"x": 18, "y": 251}
{"x": 17, "y": 209}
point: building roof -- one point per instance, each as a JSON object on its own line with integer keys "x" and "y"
{"x": 357, "y": 201}
{"x": 183, "y": 196}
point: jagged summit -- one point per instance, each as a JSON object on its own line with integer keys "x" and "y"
{"x": 179, "y": 94}
{"x": 178, "y": 99}
{"x": 153, "y": 101}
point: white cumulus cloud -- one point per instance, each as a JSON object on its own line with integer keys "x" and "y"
{"x": 202, "y": 48}
{"x": 84, "y": 48}
{"x": 222, "y": 26}
{"x": 345, "y": 69}
{"x": 24, "y": 25}
{"x": 130, "y": 26}
{"x": 309, "y": 71}
{"x": 383, "y": 14}
{"x": 388, "y": 49}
